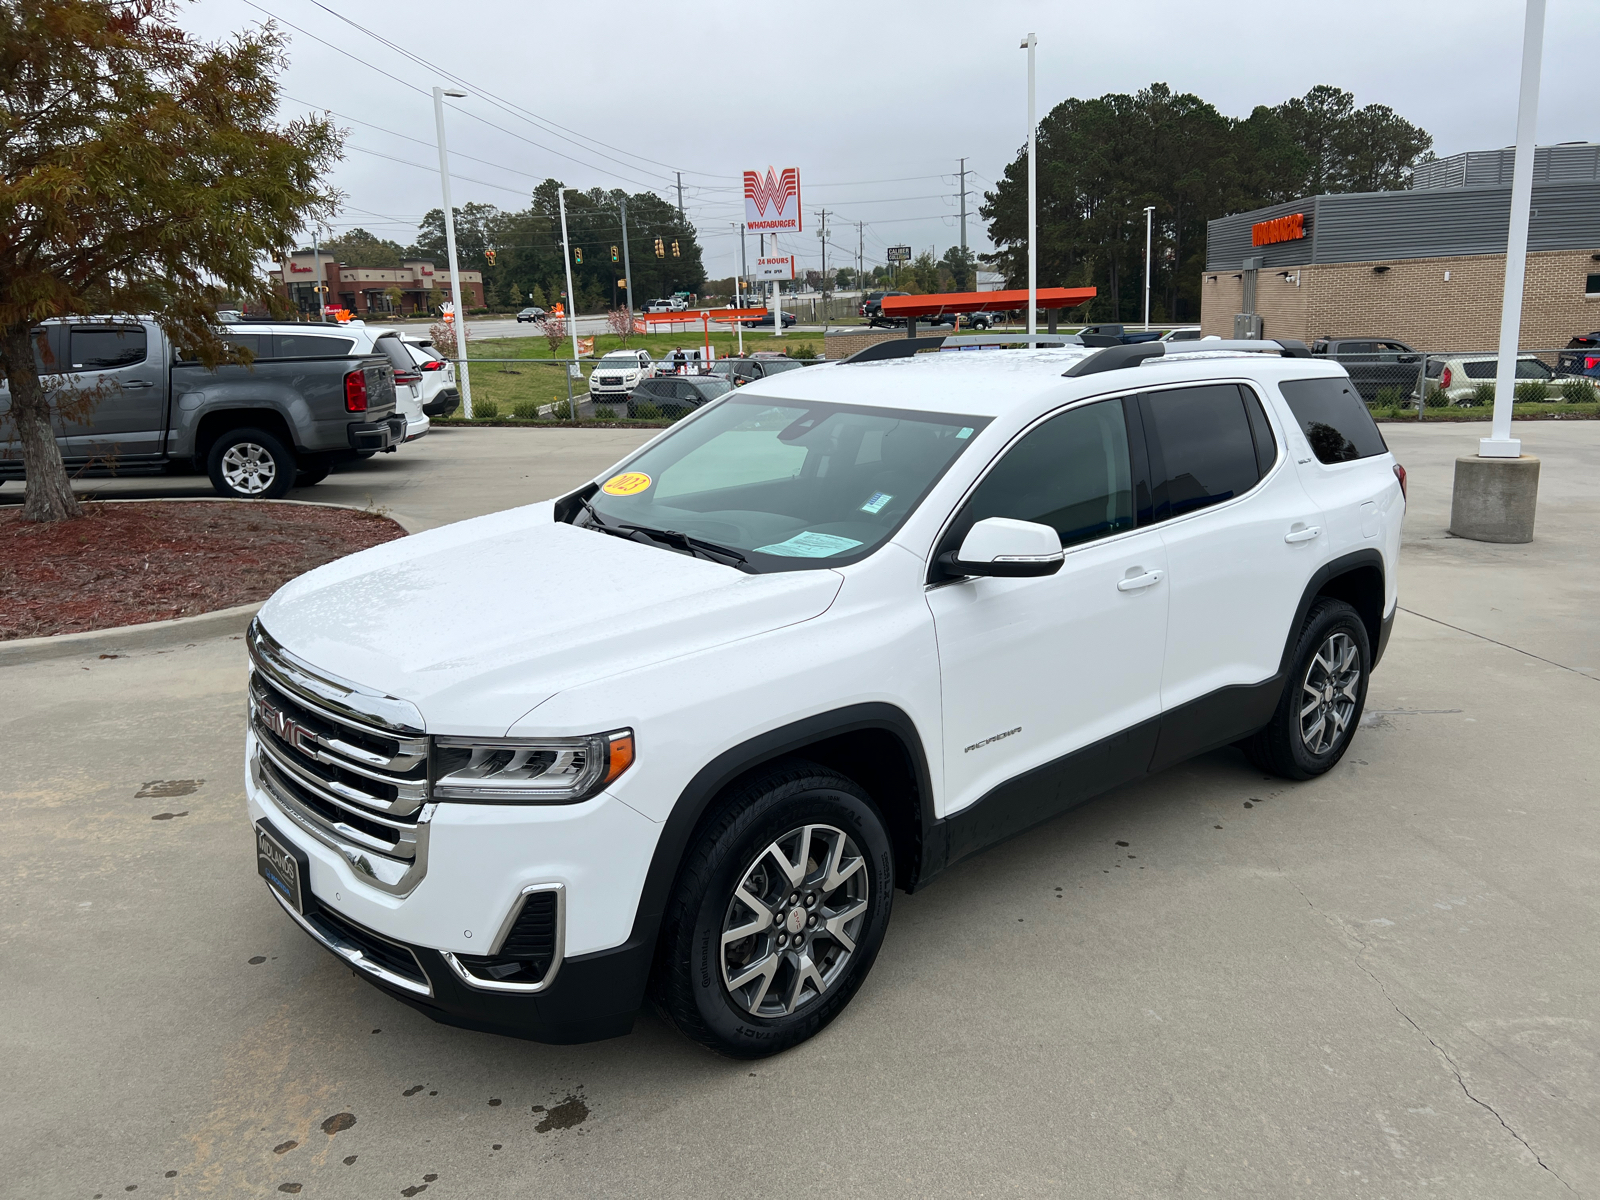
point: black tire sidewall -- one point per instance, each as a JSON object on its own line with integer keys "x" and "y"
{"x": 1328, "y": 618}
{"x": 817, "y": 800}
{"x": 282, "y": 455}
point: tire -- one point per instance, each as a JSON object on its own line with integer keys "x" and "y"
{"x": 1306, "y": 736}
{"x": 250, "y": 464}
{"x": 796, "y": 804}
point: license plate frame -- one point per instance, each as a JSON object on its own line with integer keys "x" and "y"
{"x": 283, "y": 865}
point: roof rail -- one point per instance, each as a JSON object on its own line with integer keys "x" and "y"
{"x": 906, "y": 347}
{"x": 1115, "y": 358}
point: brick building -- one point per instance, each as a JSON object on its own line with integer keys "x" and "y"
{"x": 1426, "y": 266}
{"x": 365, "y": 290}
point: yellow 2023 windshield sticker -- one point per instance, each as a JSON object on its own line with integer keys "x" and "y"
{"x": 629, "y": 483}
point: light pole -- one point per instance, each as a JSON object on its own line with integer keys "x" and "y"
{"x": 738, "y": 277}
{"x": 1496, "y": 491}
{"x": 1149, "y": 209}
{"x": 627, "y": 264}
{"x": 572, "y": 308}
{"x": 1028, "y": 44}
{"x": 450, "y": 244}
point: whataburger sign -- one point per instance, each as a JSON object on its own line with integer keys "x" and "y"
{"x": 1283, "y": 229}
{"x": 772, "y": 202}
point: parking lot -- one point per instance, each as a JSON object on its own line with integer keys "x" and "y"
{"x": 1381, "y": 983}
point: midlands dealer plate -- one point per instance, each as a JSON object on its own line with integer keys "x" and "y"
{"x": 282, "y": 866}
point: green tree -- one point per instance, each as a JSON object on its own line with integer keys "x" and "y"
{"x": 962, "y": 265}
{"x": 141, "y": 171}
{"x": 358, "y": 248}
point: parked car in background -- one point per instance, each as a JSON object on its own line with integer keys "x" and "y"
{"x": 1122, "y": 333}
{"x": 1582, "y": 356}
{"x": 531, "y": 315}
{"x": 617, "y": 373}
{"x": 439, "y": 395}
{"x": 1373, "y": 364}
{"x": 675, "y": 395}
{"x": 983, "y": 320}
{"x": 1459, "y": 376}
{"x": 658, "y": 306}
{"x": 765, "y": 321}
{"x": 872, "y": 309}
{"x": 314, "y": 395}
{"x": 1188, "y": 333}
{"x": 740, "y": 371}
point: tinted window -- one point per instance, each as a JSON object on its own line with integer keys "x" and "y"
{"x": 256, "y": 343}
{"x": 393, "y": 349}
{"x": 1266, "y": 444}
{"x": 1071, "y": 473}
{"x": 106, "y": 349}
{"x": 710, "y": 387}
{"x": 1203, "y": 450}
{"x": 311, "y": 345}
{"x": 1591, "y": 284}
{"x": 1356, "y": 348}
{"x": 1527, "y": 368}
{"x": 1336, "y": 422}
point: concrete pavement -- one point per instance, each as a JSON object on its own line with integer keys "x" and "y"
{"x": 1377, "y": 984}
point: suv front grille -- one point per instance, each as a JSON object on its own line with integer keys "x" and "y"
{"x": 344, "y": 764}
{"x": 391, "y": 956}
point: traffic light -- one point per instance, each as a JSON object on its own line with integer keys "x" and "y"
{"x": 613, "y": 254}
{"x": 661, "y": 249}
{"x": 674, "y": 247}
{"x": 577, "y": 256}
{"x": 489, "y": 254}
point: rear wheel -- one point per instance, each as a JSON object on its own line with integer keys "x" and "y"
{"x": 1323, "y": 697}
{"x": 777, "y": 914}
{"x": 250, "y": 464}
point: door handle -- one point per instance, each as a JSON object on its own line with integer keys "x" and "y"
{"x": 138, "y": 383}
{"x": 1136, "y": 582}
{"x": 1302, "y": 534}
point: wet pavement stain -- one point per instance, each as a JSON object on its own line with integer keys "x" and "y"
{"x": 570, "y": 1112}
{"x": 349, "y": 1160}
{"x": 412, "y": 1091}
{"x": 257, "y": 960}
{"x": 163, "y": 789}
{"x": 338, "y": 1123}
{"x": 413, "y": 1189}
{"x": 169, "y": 816}
{"x": 494, "y": 1103}
{"x": 284, "y": 1147}
{"x": 292, "y": 1188}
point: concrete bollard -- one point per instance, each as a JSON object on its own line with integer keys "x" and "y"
{"x": 1494, "y": 498}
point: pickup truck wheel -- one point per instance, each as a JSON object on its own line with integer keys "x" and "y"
{"x": 1322, "y": 698}
{"x": 250, "y": 464}
{"x": 777, "y": 914}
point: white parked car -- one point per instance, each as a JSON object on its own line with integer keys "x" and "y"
{"x": 659, "y": 306}
{"x": 440, "y": 396}
{"x": 1460, "y": 375}
{"x": 617, "y": 373}
{"x": 826, "y": 636}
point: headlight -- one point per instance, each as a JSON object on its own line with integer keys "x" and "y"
{"x": 529, "y": 770}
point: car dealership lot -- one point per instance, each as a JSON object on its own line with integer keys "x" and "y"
{"x": 1377, "y": 983}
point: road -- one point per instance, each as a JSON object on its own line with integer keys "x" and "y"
{"x": 1378, "y": 984}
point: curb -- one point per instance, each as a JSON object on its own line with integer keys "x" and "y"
{"x": 176, "y": 631}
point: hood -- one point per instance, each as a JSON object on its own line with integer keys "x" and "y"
{"x": 478, "y": 622}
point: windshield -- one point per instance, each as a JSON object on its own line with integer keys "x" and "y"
{"x": 789, "y": 485}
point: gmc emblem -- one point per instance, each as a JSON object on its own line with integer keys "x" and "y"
{"x": 286, "y": 727}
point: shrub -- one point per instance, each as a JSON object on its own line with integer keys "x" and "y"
{"x": 605, "y": 414}
{"x": 561, "y": 410}
{"x": 1481, "y": 395}
{"x": 1437, "y": 397}
{"x": 485, "y": 410}
{"x": 1389, "y": 397}
{"x": 1531, "y": 391}
{"x": 1577, "y": 391}
{"x": 525, "y": 410}
{"x": 647, "y": 412}
{"x": 804, "y": 353}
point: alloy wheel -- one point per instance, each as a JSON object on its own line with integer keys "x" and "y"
{"x": 249, "y": 468}
{"x": 791, "y": 926}
{"x": 1328, "y": 693}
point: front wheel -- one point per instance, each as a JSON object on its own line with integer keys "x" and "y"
{"x": 1322, "y": 699}
{"x": 777, "y": 914}
{"x": 250, "y": 464}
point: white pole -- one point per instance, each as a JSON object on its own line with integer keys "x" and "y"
{"x": 777, "y": 296}
{"x": 1148, "y": 210}
{"x": 1500, "y": 443}
{"x": 450, "y": 244}
{"x": 316, "y": 257}
{"x": 737, "y": 303}
{"x": 572, "y": 296}
{"x": 1028, "y": 44}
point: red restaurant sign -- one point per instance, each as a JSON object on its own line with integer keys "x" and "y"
{"x": 1283, "y": 229}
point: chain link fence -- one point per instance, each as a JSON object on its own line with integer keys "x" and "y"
{"x": 1396, "y": 382}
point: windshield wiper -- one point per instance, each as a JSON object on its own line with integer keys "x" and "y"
{"x": 682, "y": 541}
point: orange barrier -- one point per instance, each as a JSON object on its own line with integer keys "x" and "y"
{"x": 967, "y": 302}
{"x": 722, "y": 316}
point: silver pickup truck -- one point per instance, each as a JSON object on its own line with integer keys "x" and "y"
{"x": 315, "y": 394}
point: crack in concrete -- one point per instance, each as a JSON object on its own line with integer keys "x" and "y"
{"x": 1455, "y": 1071}
{"x": 1497, "y": 642}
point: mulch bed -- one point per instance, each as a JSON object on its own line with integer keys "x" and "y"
{"x": 123, "y": 564}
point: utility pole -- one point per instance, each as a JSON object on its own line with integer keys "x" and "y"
{"x": 1149, "y": 209}
{"x": 450, "y": 244}
{"x": 627, "y": 263}
{"x": 572, "y": 307}
{"x": 680, "y": 195}
{"x": 861, "y": 256}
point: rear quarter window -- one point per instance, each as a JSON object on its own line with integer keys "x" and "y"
{"x": 310, "y": 345}
{"x": 1335, "y": 421}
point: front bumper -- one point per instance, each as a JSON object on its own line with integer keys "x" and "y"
{"x": 377, "y": 435}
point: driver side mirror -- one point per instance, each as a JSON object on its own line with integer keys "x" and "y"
{"x": 1007, "y": 549}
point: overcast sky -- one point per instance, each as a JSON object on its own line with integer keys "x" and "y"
{"x": 874, "y": 103}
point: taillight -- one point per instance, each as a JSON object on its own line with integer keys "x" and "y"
{"x": 437, "y": 364}
{"x": 408, "y": 376}
{"x": 355, "y": 391}
{"x": 1444, "y": 379}
{"x": 1400, "y": 474}
{"x": 1589, "y": 363}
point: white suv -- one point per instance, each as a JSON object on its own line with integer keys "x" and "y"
{"x": 617, "y": 373}
{"x": 821, "y": 639}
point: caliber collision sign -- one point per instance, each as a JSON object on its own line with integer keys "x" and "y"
{"x": 772, "y": 202}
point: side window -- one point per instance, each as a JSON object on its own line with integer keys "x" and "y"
{"x": 311, "y": 345}
{"x": 1336, "y": 422}
{"x": 1202, "y": 451}
{"x": 1261, "y": 430}
{"x": 256, "y": 343}
{"x": 1072, "y": 473}
{"x": 106, "y": 349}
